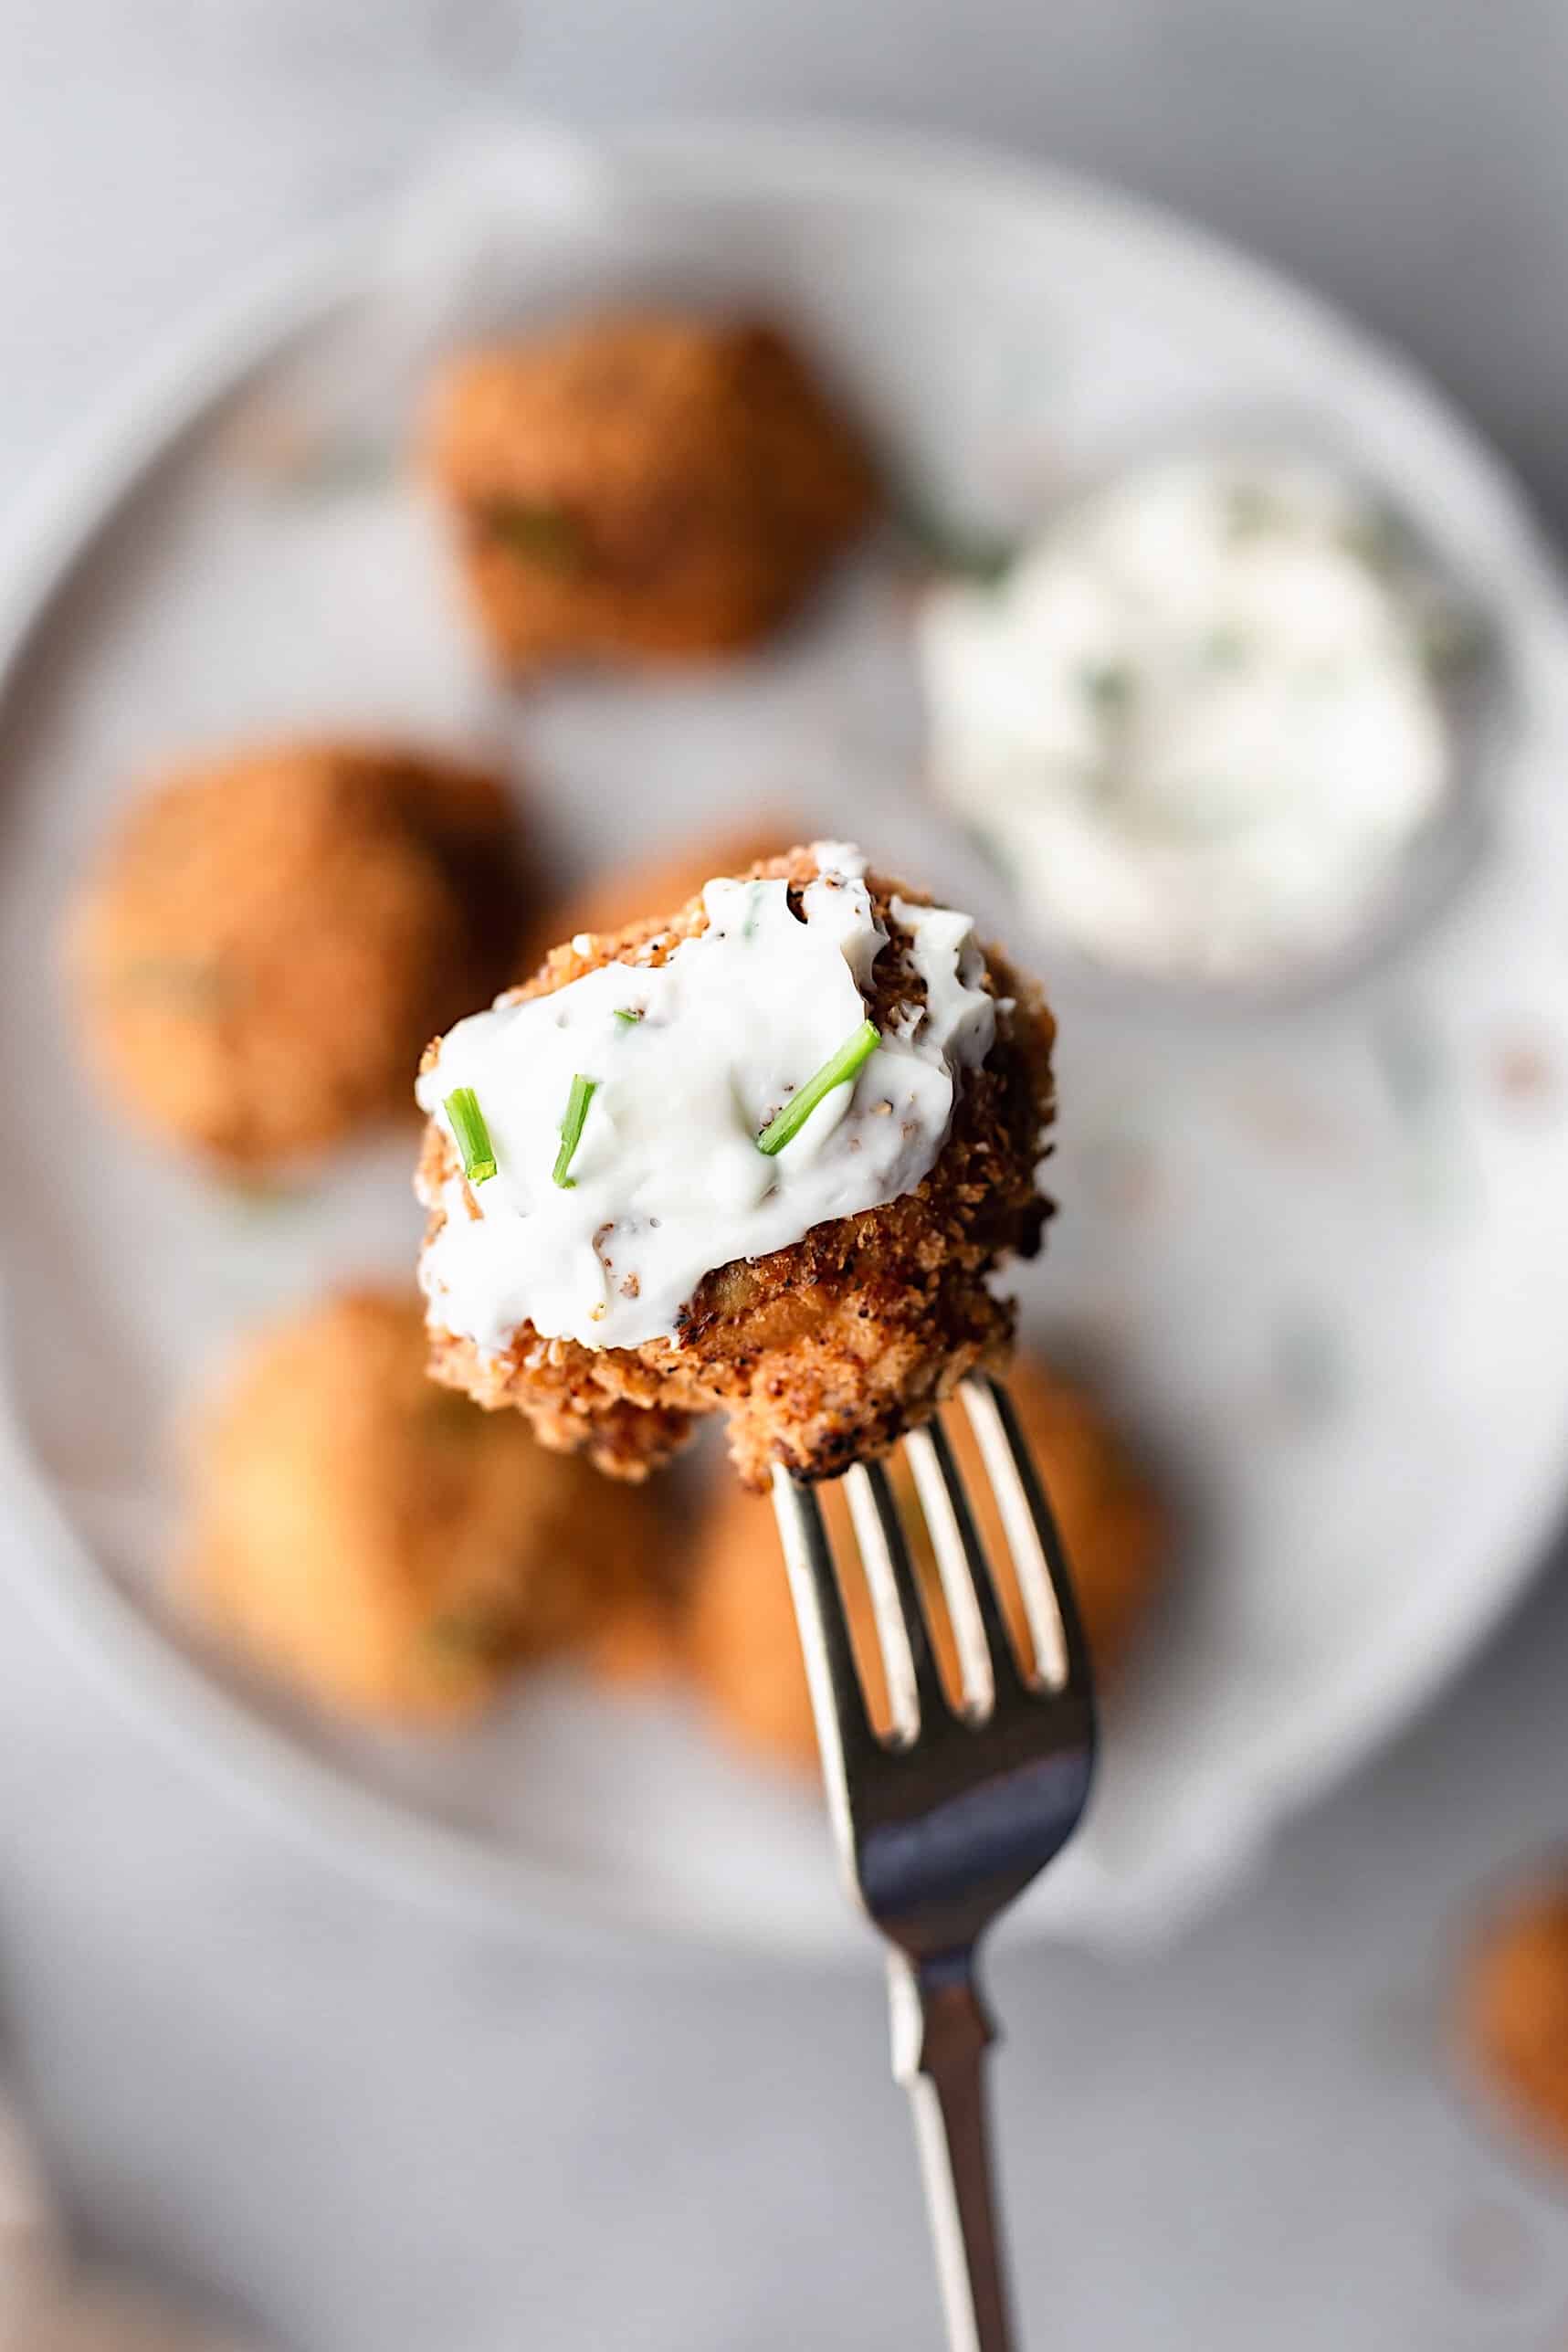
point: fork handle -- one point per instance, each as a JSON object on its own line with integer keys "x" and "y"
{"x": 940, "y": 2034}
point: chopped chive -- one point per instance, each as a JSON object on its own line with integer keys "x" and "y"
{"x": 1108, "y": 686}
{"x": 462, "y": 1635}
{"x": 260, "y": 1195}
{"x": 837, "y": 1071}
{"x": 583, "y": 1092}
{"x": 1252, "y": 511}
{"x": 1222, "y": 649}
{"x": 754, "y": 907}
{"x": 195, "y": 983}
{"x": 538, "y": 533}
{"x": 1449, "y": 641}
{"x": 472, "y": 1134}
{"x": 1380, "y": 538}
{"x": 627, "y": 1014}
{"x": 943, "y": 545}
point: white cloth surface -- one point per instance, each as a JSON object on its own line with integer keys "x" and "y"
{"x": 374, "y": 2130}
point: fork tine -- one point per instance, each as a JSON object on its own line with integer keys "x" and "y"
{"x": 985, "y": 1653}
{"x": 914, "y": 1686}
{"x": 843, "y": 1725}
{"x": 1044, "y": 1582}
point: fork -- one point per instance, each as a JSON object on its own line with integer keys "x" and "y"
{"x": 940, "y": 1822}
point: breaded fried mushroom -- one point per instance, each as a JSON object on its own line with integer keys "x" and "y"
{"x": 1514, "y": 2012}
{"x": 641, "y": 487}
{"x": 379, "y": 1543}
{"x": 821, "y": 1352}
{"x": 741, "y": 1643}
{"x": 271, "y": 938}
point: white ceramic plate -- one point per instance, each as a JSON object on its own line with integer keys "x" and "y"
{"x": 1322, "y": 1253}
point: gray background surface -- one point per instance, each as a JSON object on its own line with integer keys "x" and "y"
{"x": 381, "y": 2132}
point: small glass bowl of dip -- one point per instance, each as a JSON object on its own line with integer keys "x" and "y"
{"x": 1218, "y": 725}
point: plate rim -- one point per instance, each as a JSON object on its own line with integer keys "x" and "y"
{"x": 75, "y": 494}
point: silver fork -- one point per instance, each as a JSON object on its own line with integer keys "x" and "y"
{"x": 942, "y": 1821}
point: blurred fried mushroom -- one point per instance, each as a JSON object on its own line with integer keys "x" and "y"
{"x": 270, "y": 938}
{"x": 641, "y": 487}
{"x": 1514, "y": 2012}
{"x": 379, "y": 1542}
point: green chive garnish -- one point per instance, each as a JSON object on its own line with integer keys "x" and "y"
{"x": 628, "y": 1015}
{"x": 1108, "y": 686}
{"x": 538, "y": 533}
{"x": 473, "y": 1137}
{"x": 1222, "y": 649}
{"x": 194, "y": 984}
{"x": 1252, "y": 510}
{"x": 837, "y": 1072}
{"x": 946, "y": 545}
{"x": 583, "y": 1092}
{"x": 461, "y": 1635}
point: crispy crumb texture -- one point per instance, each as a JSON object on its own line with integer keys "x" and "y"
{"x": 268, "y": 936}
{"x": 822, "y": 1354}
{"x": 378, "y": 1543}
{"x": 641, "y": 487}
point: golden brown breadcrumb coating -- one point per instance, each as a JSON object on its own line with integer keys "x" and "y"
{"x": 1514, "y": 2012}
{"x": 269, "y": 938}
{"x": 822, "y": 1354}
{"x": 613, "y": 899}
{"x": 640, "y": 486}
{"x": 740, "y": 1635}
{"x": 382, "y": 1543}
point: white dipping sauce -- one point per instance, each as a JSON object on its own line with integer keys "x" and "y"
{"x": 667, "y": 1180}
{"x": 1197, "y": 720}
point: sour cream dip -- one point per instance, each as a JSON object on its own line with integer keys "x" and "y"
{"x": 631, "y": 1114}
{"x": 1197, "y": 722}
